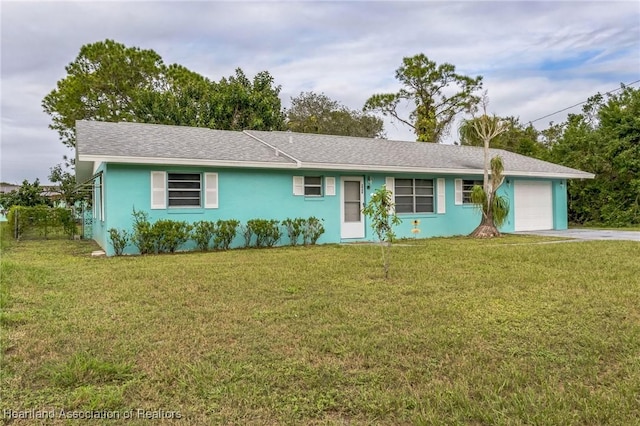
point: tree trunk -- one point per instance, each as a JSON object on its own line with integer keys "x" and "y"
{"x": 486, "y": 229}
{"x": 485, "y": 180}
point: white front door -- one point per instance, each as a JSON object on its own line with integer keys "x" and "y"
{"x": 351, "y": 204}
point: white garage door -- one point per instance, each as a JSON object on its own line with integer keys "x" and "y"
{"x": 533, "y": 205}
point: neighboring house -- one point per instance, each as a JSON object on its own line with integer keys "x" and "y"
{"x": 6, "y": 188}
{"x": 194, "y": 174}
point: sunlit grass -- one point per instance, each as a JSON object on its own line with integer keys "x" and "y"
{"x": 464, "y": 332}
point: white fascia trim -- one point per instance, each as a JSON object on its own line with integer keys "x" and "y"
{"x": 392, "y": 169}
{"x": 444, "y": 171}
{"x": 584, "y": 175}
{"x": 319, "y": 166}
{"x": 188, "y": 162}
{"x": 278, "y": 151}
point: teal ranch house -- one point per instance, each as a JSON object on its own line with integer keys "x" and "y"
{"x": 192, "y": 174}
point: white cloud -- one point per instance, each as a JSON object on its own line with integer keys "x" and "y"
{"x": 536, "y": 57}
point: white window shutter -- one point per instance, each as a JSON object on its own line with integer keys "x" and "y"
{"x": 158, "y": 190}
{"x": 441, "y": 196}
{"x": 458, "y": 192}
{"x": 389, "y": 183}
{"x": 298, "y": 185}
{"x": 210, "y": 190}
{"x": 329, "y": 186}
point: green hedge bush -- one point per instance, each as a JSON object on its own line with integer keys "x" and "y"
{"x": 295, "y": 228}
{"x": 166, "y": 236}
{"x": 119, "y": 240}
{"x": 143, "y": 237}
{"x": 225, "y": 232}
{"x": 202, "y": 233}
{"x": 169, "y": 235}
{"x": 267, "y": 232}
{"x": 313, "y": 230}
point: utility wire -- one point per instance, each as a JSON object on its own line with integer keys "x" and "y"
{"x": 581, "y": 103}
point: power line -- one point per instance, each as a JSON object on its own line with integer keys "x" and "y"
{"x": 581, "y": 103}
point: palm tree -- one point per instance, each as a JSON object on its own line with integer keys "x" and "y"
{"x": 494, "y": 208}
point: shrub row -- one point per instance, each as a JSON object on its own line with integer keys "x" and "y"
{"x": 166, "y": 236}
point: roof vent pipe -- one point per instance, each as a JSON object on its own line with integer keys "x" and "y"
{"x": 290, "y": 139}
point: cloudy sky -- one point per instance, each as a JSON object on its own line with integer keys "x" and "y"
{"x": 536, "y": 57}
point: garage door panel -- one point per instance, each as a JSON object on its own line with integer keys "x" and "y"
{"x": 533, "y": 205}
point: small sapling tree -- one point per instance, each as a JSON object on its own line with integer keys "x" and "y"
{"x": 383, "y": 218}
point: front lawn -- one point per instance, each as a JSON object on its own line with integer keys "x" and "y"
{"x": 464, "y": 332}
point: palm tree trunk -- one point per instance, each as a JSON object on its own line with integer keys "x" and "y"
{"x": 485, "y": 181}
{"x": 486, "y": 229}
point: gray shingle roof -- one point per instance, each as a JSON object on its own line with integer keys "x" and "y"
{"x": 388, "y": 154}
{"x": 135, "y": 140}
{"x": 149, "y": 143}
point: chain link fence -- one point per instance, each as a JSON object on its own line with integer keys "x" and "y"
{"x": 43, "y": 222}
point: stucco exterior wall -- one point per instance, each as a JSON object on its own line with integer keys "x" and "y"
{"x": 245, "y": 194}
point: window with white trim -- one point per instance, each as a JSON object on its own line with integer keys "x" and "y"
{"x": 184, "y": 189}
{"x": 467, "y": 188}
{"x": 313, "y": 186}
{"x": 413, "y": 195}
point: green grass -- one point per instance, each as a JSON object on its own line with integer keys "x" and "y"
{"x": 464, "y": 332}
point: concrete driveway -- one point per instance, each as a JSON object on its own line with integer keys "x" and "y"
{"x": 588, "y": 234}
